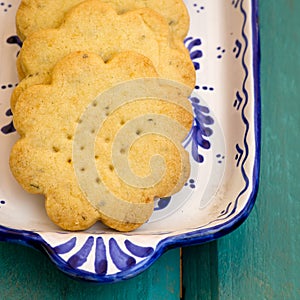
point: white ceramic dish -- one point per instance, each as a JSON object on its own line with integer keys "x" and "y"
{"x": 224, "y": 145}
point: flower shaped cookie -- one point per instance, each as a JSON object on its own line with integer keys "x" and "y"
{"x": 102, "y": 140}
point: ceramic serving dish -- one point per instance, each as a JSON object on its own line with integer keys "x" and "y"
{"x": 223, "y": 144}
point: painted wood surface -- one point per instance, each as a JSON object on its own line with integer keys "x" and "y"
{"x": 260, "y": 260}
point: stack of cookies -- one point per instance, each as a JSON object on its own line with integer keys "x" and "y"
{"x": 102, "y": 108}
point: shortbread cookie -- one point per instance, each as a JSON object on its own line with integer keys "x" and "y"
{"x": 136, "y": 141}
{"x": 30, "y": 80}
{"x": 34, "y": 15}
{"x": 96, "y": 27}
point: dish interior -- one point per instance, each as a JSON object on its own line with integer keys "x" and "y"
{"x": 221, "y": 181}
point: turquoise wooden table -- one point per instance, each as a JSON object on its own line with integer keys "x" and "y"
{"x": 259, "y": 260}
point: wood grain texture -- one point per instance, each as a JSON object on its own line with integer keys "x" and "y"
{"x": 28, "y": 274}
{"x": 200, "y": 273}
{"x": 260, "y": 260}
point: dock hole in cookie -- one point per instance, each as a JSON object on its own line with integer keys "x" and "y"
{"x": 69, "y": 161}
{"x": 35, "y": 186}
{"x": 111, "y": 168}
{"x": 55, "y": 149}
{"x": 138, "y": 132}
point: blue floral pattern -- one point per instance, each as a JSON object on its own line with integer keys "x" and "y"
{"x": 200, "y": 131}
{"x": 9, "y": 128}
{"x": 192, "y": 45}
{"x": 123, "y": 260}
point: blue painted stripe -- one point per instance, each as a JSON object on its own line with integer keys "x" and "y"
{"x": 81, "y": 256}
{"x": 66, "y": 247}
{"x": 121, "y": 260}
{"x": 138, "y": 250}
{"x": 100, "y": 259}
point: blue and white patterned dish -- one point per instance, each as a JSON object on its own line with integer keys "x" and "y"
{"x": 224, "y": 144}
